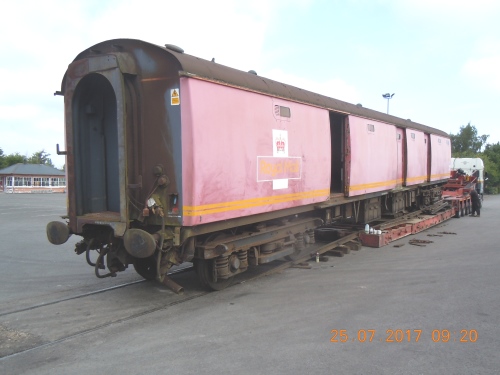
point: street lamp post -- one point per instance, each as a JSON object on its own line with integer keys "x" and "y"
{"x": 388, "y": 97}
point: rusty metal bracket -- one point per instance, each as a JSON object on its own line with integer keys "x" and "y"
{"x": 59, "y": 152}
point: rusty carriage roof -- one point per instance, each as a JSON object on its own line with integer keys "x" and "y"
{"x": 193, "y": 66}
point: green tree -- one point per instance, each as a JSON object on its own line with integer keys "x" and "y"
{"x": 12, "y": 159}
{"x": 491, "y": 159}
{"x": 466, "y": 143}
{"x": 2, "y": 159}
{"x": 40, "y": 157}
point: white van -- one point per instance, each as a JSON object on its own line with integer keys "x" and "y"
{"x": 472, "y": 167}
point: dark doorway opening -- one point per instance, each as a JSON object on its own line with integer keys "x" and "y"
{"x": 337, "y": 143}
{"x": 95, "y": 131}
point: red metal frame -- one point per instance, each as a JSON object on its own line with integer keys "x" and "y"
{"x": 412, "y": 226}
{"x": 457, "y": 192}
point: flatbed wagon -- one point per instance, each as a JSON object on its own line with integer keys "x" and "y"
{"x": 457, "y": 192}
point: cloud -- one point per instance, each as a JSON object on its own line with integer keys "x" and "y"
{"x": 482, "y": 67}
{"x": 333, "y": 88}
{"x": 19, "y": 111}
{"x": 485, "y": 71}
{"x": 464, "y": 8}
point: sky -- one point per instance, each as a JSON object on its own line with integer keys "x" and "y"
{"x": 440, "y": 58}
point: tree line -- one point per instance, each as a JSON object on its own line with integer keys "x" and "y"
{"x": 39, "y": 157}
{"x": 468, "y": 144}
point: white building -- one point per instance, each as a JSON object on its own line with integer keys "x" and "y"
{"x": 32, "y": 178}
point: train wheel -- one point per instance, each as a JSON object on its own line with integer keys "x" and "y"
{"x": 298, "y": 247}
{"x": 146, "y": 267}
{"x": 205, "y": 268}
{"x": 297, "y": 254}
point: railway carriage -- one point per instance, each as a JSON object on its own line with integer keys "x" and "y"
{"x": 172, "y": 158}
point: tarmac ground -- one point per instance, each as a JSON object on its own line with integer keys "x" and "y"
{"x": 390, "y": 310}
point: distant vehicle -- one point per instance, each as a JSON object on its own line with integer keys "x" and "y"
{"x": 472, "y": 167}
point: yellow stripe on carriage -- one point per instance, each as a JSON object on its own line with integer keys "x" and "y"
{"x": 417, "y": 179}
{"x": 253, "y": 202}
{"x": 399, "y": 181}
{"x": 373, "y": 185}
{"x": 443, "y": 176}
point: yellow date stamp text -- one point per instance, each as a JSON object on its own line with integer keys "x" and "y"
{"x": 403, "y": 335}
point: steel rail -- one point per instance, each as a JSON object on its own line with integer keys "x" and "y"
{"x": 82, "y": 295}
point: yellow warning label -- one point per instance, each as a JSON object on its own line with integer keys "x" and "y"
{"x": 174, "y": 97}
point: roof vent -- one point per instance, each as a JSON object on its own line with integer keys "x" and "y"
{"x": 359, "y": 105}
{"x": 174, "y": 48}
{"x": 252, "y": 72}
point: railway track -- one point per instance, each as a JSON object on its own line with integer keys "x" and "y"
{"x": 30, "y": 339}
{"x": 100, "y": 326}
{"x": 15, "y": 341}
{"x": 82, "y": 295}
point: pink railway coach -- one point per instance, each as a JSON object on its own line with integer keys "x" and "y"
{"x": 172, "y": 158}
